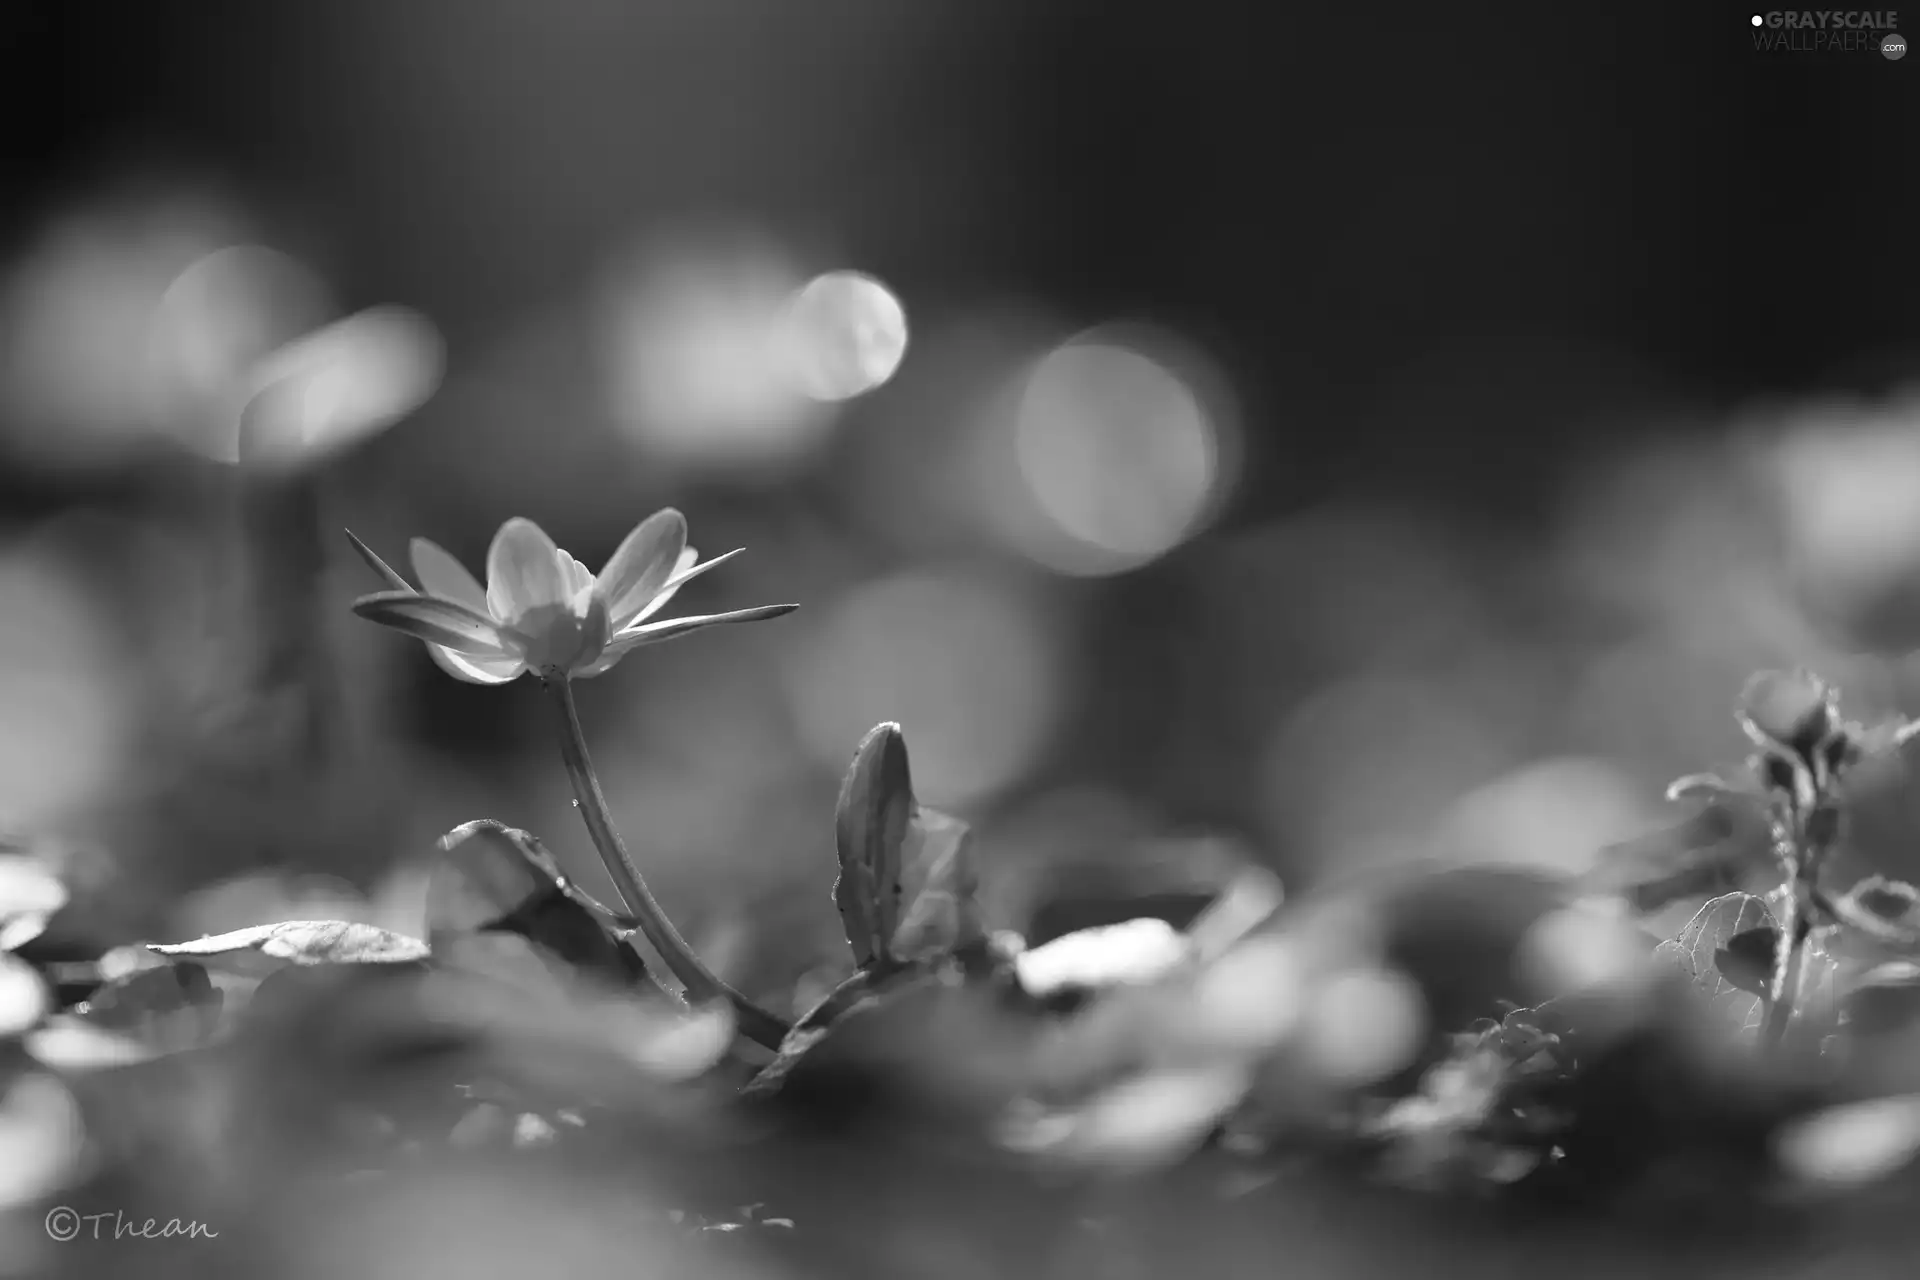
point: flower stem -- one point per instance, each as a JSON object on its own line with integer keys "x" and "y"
{"x": 701, "y": 983}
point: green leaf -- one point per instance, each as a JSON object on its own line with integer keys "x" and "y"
{"x": 940, "y": 884}
{"x": 908, "y": 883}
{"x": 263, "y": 949}
{"x": 1693, "y": 951}
{"x": 30, "y": 894}
{"x": 871, "y": 820}
{"x": 1747, "y": 959}
{"x": 498, "y": 902}
{"x": 811, "y": 1028}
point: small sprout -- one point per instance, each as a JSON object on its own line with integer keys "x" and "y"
{"x": 908, "y": 880}
{"x": 1804, "y": 748}
{"x": 870, "y": 827}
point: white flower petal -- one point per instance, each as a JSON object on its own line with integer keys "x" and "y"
{"x": 477, "y": 670}
{"x": 640, "y": 567}
{"x": 442, "y": 575}
{"x": 438, "y": 621}
{"x": 523, "y": 572}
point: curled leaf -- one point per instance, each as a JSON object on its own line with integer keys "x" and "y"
{"x": 1694, "y": 949}
{"x": 870, "y": 827}
{"x": 498, "y": 901}
{"x": 264, "y": 949}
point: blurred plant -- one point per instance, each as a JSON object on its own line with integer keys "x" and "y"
{"x": 1796, "y": 777}
{"x": 1752, "y": 1050}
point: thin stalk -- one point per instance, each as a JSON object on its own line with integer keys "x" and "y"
{"x": 1787, "y": 960}
{"x": 701, "y": 983}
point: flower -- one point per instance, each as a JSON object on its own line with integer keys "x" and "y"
{"x": 542, "y": 610}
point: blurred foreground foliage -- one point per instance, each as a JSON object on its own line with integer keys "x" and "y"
{"x": 1463, "y": 1069}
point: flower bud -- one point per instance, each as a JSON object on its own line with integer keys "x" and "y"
{"x": 1792, "y": 709}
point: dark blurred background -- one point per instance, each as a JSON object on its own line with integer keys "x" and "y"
{"x": 1343, "y": 435}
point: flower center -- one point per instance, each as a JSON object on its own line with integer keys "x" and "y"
{"x": 559, "y": 639}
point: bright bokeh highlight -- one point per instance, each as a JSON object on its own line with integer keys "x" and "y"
{"x": 848, "y": 334}
{"x": 1121, "y": 451}
{"x": 340, "y": 384}
{"x": 694, "y": 354}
